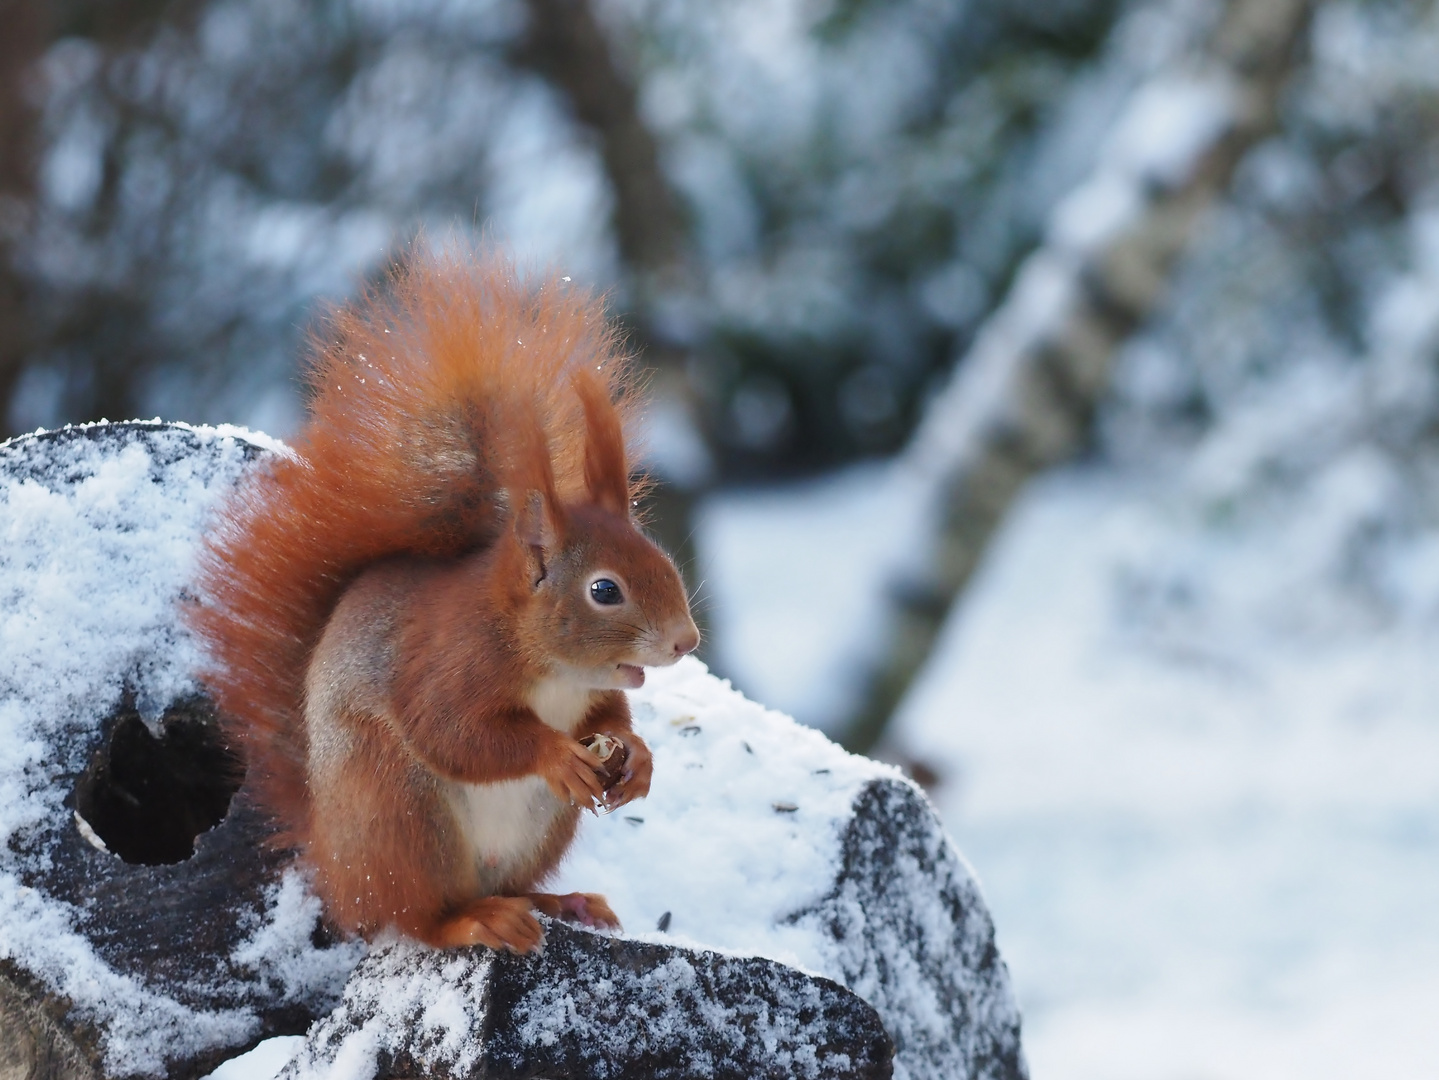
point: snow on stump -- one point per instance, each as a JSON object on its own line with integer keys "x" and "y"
{"x": 790, "y": 909}
{"x": 592, "y": 1006}
{"x": 144, "y": 930}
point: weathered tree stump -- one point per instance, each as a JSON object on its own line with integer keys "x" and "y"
{"x": 147, "y": 930}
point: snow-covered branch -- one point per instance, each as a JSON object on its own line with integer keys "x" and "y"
{"x": 1022, "y": 397}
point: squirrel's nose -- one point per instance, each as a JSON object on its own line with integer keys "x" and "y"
{"x": 684, "y": 638}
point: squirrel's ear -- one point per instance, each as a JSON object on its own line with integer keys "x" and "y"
{"x": 539, "y": 518}
{"x": 535, "y": 529}
{"x": 606, "y": 474}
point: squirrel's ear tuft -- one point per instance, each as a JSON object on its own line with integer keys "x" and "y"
{"x": 536, "y": 529}
{"x": 606, "y": 472}
{"x": 535, "y": 524}
{"x": 539, "y": 517}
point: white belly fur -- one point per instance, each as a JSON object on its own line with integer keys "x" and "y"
{"x": 504, "y": 824}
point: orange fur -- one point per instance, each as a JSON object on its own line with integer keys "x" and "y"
{"x": 421, "y": 560}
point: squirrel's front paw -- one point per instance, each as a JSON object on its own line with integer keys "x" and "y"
{"x": 572, "y": 773}
{"x": 634, "y": 781}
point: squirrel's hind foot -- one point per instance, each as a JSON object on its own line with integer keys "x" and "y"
{"x": 500, "y": 922}
{"x": 588, "y": 909}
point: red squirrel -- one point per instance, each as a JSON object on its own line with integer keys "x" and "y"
{"x": 414, "y": 617}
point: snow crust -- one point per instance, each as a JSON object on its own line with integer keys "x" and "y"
{"x": 280, "y": 949}
{"x": 740, "y": 833}
{"x": 438, "y": 997}
{"x": 566, "y": 1006}
{"x": 737, "y": 849}
{"x": 412, "y": 1002}
{"x": 740, "y": 830}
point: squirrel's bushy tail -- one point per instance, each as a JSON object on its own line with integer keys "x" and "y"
{"x": 426, "y": 397}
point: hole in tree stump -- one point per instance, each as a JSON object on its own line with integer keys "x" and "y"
{"x": 148, "y": 798}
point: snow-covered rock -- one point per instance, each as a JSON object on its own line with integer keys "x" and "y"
{"x": 771, "y": 864}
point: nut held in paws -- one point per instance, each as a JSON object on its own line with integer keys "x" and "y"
{"x": 612, "y": 752}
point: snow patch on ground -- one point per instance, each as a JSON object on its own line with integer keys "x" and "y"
{"x": 262, "y": 1063}
{"x": 1209, "y": 836}
{"x": 792, "y": 581}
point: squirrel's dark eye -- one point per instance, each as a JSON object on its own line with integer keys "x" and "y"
{"x": 606, "y": 591}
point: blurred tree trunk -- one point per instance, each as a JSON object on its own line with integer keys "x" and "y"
{"x": 567, "y": 45}
{"x": 1023, "y": 397}
{"x": 28, "y": 323}
{"x": 21, "y": 45}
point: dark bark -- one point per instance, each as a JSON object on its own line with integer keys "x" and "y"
{"x": 567, "y": 45}
{"x": 31, "y": 319}
{"x": 26, "y": 26}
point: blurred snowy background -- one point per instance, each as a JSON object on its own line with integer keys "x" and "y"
{"x": 1184, "y": 717}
